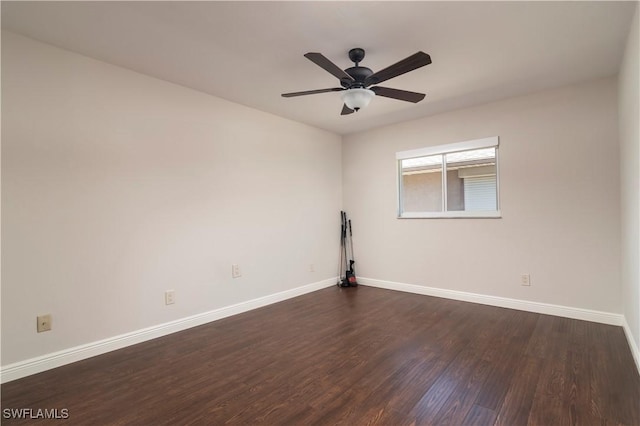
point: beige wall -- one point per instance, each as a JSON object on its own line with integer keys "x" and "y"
{"x": 117, "y": 186}
{"x": 629, "y": 113}
{"x": 561, "y": 221}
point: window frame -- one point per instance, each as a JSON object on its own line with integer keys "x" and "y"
{"x": 489, "y": 142}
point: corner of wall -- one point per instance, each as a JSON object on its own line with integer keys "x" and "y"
{"x": 629, "y": 140}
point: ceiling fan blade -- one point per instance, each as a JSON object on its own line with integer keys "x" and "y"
{"x": 402, "y": 95}
{"x": 411, "y": 63}
{"x": 312, "y": 92}
{"x": 320, "y": 60}
{"x": 346, "y": 110}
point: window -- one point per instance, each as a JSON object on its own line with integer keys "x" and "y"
{"x": 454, "y": 180}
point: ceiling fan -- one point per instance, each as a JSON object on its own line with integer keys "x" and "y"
{"x": 355, "y": 81}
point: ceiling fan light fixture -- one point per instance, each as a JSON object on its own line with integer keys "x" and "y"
{"x": 357, "y": 98}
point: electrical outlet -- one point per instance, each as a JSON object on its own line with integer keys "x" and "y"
{"x": 44, "y": 323}
{"x": 525, "y": 279}
{"x": 312, "y": 267}
{"x": 235, "y": 271}
{"x": 169, "y": 297}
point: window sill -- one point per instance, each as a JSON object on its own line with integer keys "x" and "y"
{"x": 496, "y": 214}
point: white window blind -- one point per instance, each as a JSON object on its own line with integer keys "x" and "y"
{"x": 480, "y": 193}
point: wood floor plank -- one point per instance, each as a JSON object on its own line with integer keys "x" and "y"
{"x": 479, "y": 416}
{"x": 445, "y": 390}
{"x": 461, "y": 401}
{"x": 576, "y": 402}
{"x": 547, "y": 401}
{"x": 505, "y": 364}
{"x": 516, "y": 407}
{"x": 358, "y": 356}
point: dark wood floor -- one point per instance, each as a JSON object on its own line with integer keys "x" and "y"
{"x": 354, "y": 356}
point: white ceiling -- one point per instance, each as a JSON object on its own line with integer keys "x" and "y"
{"x": 251, "y": 52}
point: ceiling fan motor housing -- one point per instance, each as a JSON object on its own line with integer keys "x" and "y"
{"x": 359, "y": 74}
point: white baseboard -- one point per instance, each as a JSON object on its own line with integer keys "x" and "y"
{"x": 46, "y": 362}
{"x": 67, "y": 356}
{"x": 503, "y": 302}
{"x": 633, "y": 345}
{"x": 521, "y": 305}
